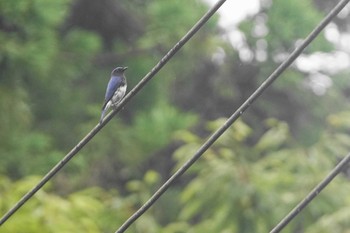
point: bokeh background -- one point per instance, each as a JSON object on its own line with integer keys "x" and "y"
{"x": 55, "y": 60}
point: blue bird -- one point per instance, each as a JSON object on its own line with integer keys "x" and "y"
{"x": 116, "y": 89}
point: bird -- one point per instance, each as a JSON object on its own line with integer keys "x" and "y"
{"x": 115, "y": 91}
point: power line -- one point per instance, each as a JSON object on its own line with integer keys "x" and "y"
{"x": 127, "y": 98}
{"x": 285, "y": 221}
{"x": 280, "y": 69}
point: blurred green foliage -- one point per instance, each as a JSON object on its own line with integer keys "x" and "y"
{"x": 253, "y": 187}
{"x": 55, "y": 61}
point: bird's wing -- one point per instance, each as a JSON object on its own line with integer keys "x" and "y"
{"x": 112, "y": 86}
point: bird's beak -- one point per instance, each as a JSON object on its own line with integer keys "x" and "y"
{"x": 125, "y": 68}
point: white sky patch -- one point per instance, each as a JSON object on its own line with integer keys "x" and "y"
{"x": 325, "y": 62}
{"x": 319, "y": 83}
{"x": 332, "y": 33}
{"x": 233, "y": 11}
{"x": 231, "y": 14}
{"x": 344, "y": 42}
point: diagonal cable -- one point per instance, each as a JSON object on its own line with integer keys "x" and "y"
{"x": 307, "y": 200}
{"x": 127, "y": 98}
{"x": 280, "y": 69}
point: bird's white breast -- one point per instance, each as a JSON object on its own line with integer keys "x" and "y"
{"x": 118, "y": 95}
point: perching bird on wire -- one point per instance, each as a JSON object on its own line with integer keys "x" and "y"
{"x": 116, "y": 89}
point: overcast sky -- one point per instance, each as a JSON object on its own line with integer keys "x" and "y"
{"x": 234, "y": 11}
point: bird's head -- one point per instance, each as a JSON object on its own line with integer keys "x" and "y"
{"x": 119, "y": 70}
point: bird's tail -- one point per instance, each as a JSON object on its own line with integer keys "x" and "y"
{"x": 102, "y": 114}
{"x": 104, "y": 109}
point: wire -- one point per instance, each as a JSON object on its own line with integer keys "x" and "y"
{"x": 284, "y": 222}
{"x": 127, "y": 98}
{"x": 280, "y": 69}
